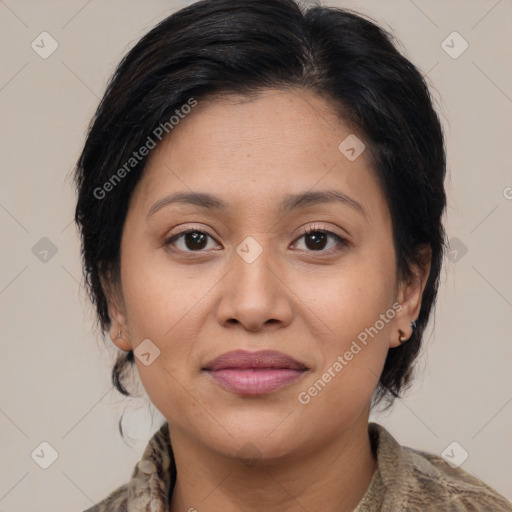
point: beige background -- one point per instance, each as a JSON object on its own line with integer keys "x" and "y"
{"x": 55, "y": 372}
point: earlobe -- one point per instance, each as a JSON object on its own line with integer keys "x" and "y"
{"x": 120, "y": 337}
{"x": 118, "y": 329}
{"x": 402, "y": 336}
{"x": 119, "y": 333}
{"x": 401, "y": 332}
{"x": 410, "y": 294}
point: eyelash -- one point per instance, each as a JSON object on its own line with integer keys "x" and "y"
{"x": 341, "y": 242}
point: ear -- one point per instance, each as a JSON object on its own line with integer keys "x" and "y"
{"x": 409, "y": 296}
{"x": 119, "y": 333}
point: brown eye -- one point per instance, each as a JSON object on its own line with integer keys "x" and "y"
{"x": 192, "y": 240}
{"x": 316, "y": 239}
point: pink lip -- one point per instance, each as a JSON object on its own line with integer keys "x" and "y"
{"x": 254, "y": 373}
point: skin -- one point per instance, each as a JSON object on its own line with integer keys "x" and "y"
{"x": 197, "y": 303}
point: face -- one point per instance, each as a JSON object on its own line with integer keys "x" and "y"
{"x": 261, "y": 270}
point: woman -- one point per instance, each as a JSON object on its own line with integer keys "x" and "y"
{"x": 260, "y": 200}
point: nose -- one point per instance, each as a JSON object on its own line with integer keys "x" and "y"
{"x": 254, "y": 293}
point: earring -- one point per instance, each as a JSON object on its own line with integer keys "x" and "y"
{"x": 119, "y": 335}
{"x": 401, "y": 334}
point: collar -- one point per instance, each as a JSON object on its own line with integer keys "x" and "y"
{"x": 154, "y": 476}
{"x": 405, "y": 479}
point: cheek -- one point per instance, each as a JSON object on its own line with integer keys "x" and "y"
{"x": 158, "y": 293}
{"x": 355, "y": 306}
{"x": 163, "y": 304}
{"x": 351, "y": 297}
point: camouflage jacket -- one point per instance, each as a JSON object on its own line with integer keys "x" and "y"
{"x": 405, "y": 480}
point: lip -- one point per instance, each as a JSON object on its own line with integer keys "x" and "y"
{"x": 254, "y": 373}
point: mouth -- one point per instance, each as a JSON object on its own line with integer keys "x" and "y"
{"x": 254, "y": 373}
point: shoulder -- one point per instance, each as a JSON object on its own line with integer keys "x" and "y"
{"x": 420, "y": 481}
{"x": 442, "y": 487}
{"x": 116, "y": 501}
{"x": 151, "y": 480}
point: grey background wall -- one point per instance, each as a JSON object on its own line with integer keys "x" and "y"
{"x": 55, "y": 371}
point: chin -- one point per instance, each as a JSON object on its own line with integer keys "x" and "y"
{"x": 258, "y": 448}
{"x": 259, "y": 434}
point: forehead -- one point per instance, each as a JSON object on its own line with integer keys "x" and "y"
{"x": 256, "y": 150}
{"x": 261, "y": 127}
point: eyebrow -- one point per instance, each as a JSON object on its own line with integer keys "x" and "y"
{"x": 289, "y": 203}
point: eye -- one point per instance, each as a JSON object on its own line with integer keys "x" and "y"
{"x": 316, "y": 239}
{"x": 194, "y": 240}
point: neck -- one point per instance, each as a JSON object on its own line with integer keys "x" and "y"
{"x": 333, "y": 477}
